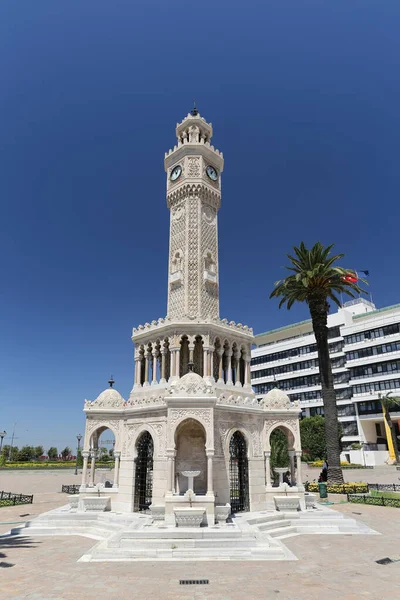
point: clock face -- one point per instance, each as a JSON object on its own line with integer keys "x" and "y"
{"x": 212, "y": 173}
{"x": 176, "y": 172}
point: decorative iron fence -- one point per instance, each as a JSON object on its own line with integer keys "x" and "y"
{"x": 384, "y": 487}
{"x": 70, "y": 489}
{"x": 374, "y": 500}
{"x": 10, "y": 499}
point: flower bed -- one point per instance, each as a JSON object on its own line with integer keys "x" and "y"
{"x": 344, "y": 465}
{"x": 336, "y": 488}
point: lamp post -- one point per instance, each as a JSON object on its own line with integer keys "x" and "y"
{"x": 78, "y": 437}
{"x": 2, "y": 436}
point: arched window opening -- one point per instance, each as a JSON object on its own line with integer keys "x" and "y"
{"x": 144, "y": 472}
{"x": 239, "y": 473}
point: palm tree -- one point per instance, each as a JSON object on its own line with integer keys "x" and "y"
{"x": 387, "y": 401}
{"x": 315, "y": 279}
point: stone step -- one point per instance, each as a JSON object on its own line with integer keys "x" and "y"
{"x": 274, "y": 524}
{"x": 181, "y": 533}
{"x": 276, "y": 533}
{"x": 222, "y": 543}
{"x": 260, "y": 552}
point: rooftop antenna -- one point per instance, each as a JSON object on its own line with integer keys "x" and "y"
{"x": 194, "y": 112}
{"x": 111, "y": 381}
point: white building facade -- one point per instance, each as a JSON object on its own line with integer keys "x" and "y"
{"x": 364, "y": 347}
{"x": 192, "y": 430}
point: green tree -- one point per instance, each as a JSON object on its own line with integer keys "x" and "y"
{"x": 313, "y": 440}
{"x": 52, "y": 453}
{"x": 387, "y": 402}
{"x": 315, "y": 280}
{"x": 26, "y": 454}
{"x": 279, "y": 450}
{"x": 66, "y": 453}
{"x": 79, "y": 457}
{"x": 38, "y": 452}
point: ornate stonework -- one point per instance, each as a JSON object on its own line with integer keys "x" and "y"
{"x": 110, "y": 398}
{"x": 191, "y": 384}
{"x": 276, "y": 399}
{"x": 192, "y": 391}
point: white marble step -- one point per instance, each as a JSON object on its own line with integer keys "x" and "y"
{"x": 273, "y": 524}
{"x": 187, "y": 554}
{"x": 279, "y": 531}
{"x": 180, "y": 543}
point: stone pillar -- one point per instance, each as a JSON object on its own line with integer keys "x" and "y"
{"x": 299, "y": 481}
{"x": 163, "y": 358}
{"x": 292, "y": 470}
{"x": 92, "y": 469}
{"x": 85, "y": 456}
{"x": 267, "y": 455}
{"x": 220, "y": 352}
{"x": 138, "y": 371}
{"x": 117, "y": 456}
{"x": 206, "y": 372}
{"x": 211, "y": 363}
{"x": 154, "y": 354}
{"x": 177, "y": 361}
{"x": 237, "y": 369}
{"x": 229, "y": 366}
{"x": 191, "y": 350}
{"x": 210, "y": 485}
{"x": 247, "y": 371}
{"x": 146, "y": 369}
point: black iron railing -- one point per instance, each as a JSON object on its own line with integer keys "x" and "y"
{"x": 384, "y": 487}
{"x": 374, "y": 500}
{"x": 70, "y": 489}
{"x": 10, "y": 499}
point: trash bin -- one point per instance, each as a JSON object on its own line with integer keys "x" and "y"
{"x": 323, "y": 490}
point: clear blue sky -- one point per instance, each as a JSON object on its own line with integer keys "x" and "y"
{"x": 304, "y": 98}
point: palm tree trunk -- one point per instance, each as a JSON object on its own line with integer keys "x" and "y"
{"x": 319, "y": 314}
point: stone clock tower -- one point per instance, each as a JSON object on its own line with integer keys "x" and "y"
{"x": 193, "y": 170}
{"x": 191, "y": 411}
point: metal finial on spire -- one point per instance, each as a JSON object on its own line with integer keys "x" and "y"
{"x": 194, "y": 112}
{"x": 111, "y": 381}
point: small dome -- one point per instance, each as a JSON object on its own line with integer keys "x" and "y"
{"x": 192, "y": 384}
{"x": 276, "y": 399}
{"x": 110, "y": 398}
{"x": 192, "y": 377}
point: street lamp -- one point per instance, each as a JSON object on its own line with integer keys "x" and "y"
{"x": 2, "y": 436}
{"x": 78, "y": 437}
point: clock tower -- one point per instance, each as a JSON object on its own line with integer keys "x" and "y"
{"x": 193, "y": 170}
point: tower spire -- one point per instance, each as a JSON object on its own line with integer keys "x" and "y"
{"x": 194, "y": 112}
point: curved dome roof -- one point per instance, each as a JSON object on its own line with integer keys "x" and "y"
{"x": 110, "y": 398}
{"x": 276, "y": 399}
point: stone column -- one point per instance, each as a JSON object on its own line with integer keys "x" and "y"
{"x": 177, "y": 361}
{"x": 229, "y": 366}
{"x": 146, "y": 369}
{"x": 237, "y": 369}
{"x": 292, "y": 470}
{"x": 220, "y": 352}
{"x": 154, "y": 354}
{"x": 117, "y": 456}
{"x": 92, "y": 469}
{"x": 211, "y": 363}
{"x": 85, "y": 456}
{"x": 210, "y": 485}
{"x": 138, "y": 371}
{"x": 206, "y": 372}
{"x": 299, "y": 481}
{"x": 169, "y": 481}
{"x": 247, "y": 371}
{"x": 267, "y": 455}
{"x": 163, "y": 355}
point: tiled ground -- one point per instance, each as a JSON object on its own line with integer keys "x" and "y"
{"x": 329, "y": 567}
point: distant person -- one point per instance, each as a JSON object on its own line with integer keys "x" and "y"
{"x": 286, "y": 479}
{"x": 324, "y": 474}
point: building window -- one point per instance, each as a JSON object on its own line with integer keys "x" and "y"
{"x": 372, "y": 334}
{"x": 350, "y": 428}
